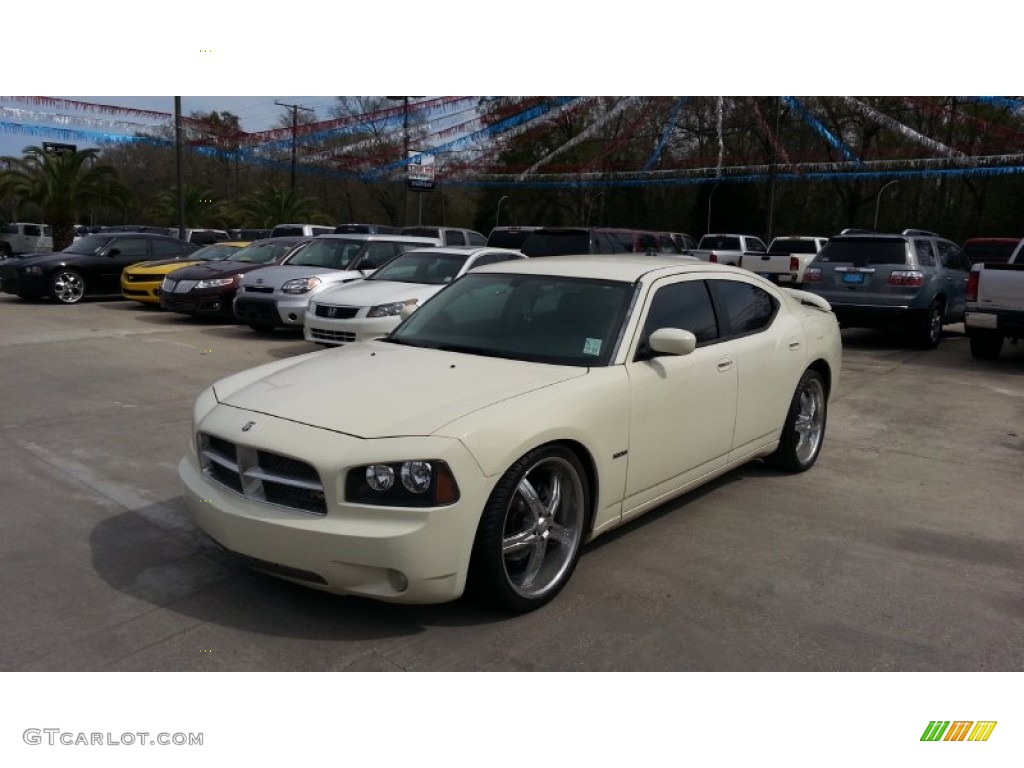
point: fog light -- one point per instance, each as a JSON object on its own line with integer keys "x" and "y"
{"x": 380, "y": 477}
{"x": 416, "y": 476}
{"x": 398, "y": 580}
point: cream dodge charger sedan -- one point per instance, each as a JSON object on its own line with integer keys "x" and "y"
{"x": 525, "y": 409}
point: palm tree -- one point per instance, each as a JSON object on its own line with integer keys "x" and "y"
{"x": 62, "y": 186}
{"x": 270, "y": 205}
{"x": 200, "y": 208}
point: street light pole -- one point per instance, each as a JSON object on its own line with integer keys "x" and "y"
{"x": 590, "y": 205}
{"x": 497, "y": 215}
{"x": 878, "y": 200}
{"x": 711, "y": 194}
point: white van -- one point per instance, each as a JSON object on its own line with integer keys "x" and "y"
{"x": 25, "y": 238}
{"x": 301, "y": 230}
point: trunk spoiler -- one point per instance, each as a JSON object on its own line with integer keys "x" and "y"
{"x": 808, "y": 299}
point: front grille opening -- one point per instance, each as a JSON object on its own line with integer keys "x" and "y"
{"x": 262, "y": 475}
{"x": 276, "y": 569}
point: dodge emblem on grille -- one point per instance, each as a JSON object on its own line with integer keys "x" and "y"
{"x": 248, "y": 425}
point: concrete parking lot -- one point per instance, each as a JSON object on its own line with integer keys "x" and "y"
{"x": 903, "y": 549}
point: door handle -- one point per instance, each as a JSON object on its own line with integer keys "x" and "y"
{"x": 794, "y": 344}
{"x": 725, "y": 363}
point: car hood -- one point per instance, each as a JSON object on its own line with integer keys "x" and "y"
{"x": 212, "y": 270}
{"x": 49, "y": 257}
{"x": 369, "y": 293}
{"x": 378, "y": 389}
{"x": 161, "y": 266}
{"x": 277, "y": 276}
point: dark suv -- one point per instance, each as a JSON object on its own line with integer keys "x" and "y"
{"x": 570, "y": 241}
{"x": 915, "y": 280}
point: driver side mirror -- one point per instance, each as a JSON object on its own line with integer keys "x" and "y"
{"x": 672, "y": 341}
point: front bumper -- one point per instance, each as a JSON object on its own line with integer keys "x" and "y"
{"x": 202, "y": 302}
{"x": 12, "y": 282}
{"x": 148, "y": 292}
{"x": 282, "y": 310}
{"x": 396, "y": 554}
{"x": 324, "y": 330}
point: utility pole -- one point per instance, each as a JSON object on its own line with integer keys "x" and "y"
{"x": 295, "y": 127}
{"x": 405, "y": 151}
{"x": 177, "y": 158}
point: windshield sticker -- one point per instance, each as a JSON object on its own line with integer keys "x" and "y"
{"x": 592, "y": 347}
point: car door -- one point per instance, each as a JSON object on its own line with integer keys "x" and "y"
{"x": 121, "y": 253}
{"x": 682, "y": 408}
{"x": 768, "y": 347}
{"x": 956, "y": 269}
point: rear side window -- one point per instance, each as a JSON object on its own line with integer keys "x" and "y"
{"x": 952, "y": 257}
{"x": 165, "y": 248}
{"x": 475, "y": 238}
{"x": 755, "y": 246}
{"x": 742, "y": 308}
{"x": 130, "y": 246}
{"x": 454, "y": 237}
{"x": 924, "y": 252}
{"x": 33, "y": 230}
{"x": 719, "y": 243}
{"x": 863, "y": 251}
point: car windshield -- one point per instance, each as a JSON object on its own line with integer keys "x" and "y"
{"x": 864, "y": 250}
{"x": 719, "y": 243}
{"x": 792, "y": 246}
{"x": 557, "y": 243}
{"x": 215, "y": 252}
{"x": 329, "y": 253}
{"x": 536, "y": 318}
{"x": 261, "y": 253}
{"x": 422, "y": 268}
{"x": 89, "y": 245}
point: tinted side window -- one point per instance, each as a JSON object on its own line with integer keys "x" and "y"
{"x": 130, "y": 246}
{"x": 454, "y": 237}
{"x": 165, "y": 248}
{"x": 755, "y": 246}
{"x": 33, "y": 231}
{"x": 681, "y": 305}
{"x": 925, "y": 255}
{"x": 476, "y": 238}
{"x": 952, "y": 257}
{"x": 743, "y": 308}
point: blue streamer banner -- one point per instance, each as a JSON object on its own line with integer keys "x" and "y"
{"x": 823, "y": 131}
{"x": 673, "y": 118}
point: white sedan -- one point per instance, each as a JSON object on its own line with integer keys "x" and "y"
{"x": 527, "y": 408}
{"x": 371, "y": 308}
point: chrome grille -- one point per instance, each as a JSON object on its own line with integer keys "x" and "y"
{"x": 339, "y": 313}
{"x": 344, "y": 337}
{"x": 262, "y": 475}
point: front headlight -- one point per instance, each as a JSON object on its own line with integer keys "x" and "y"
{"x": 415, "y": 483}
{"x": 300, "y": 285}
{"x": 221, "y": 282}
{"x": 394, "y": 308}
{"x": 32, "y": 271}
{"x": 167, "y": 285}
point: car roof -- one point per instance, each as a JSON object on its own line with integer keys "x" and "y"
{"x": 621, "y": 267}
{"x": 466, "y": 250}
{"x": 376, "y": 236}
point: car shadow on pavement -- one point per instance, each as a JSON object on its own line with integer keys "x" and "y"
{"x": 155, "y": 554}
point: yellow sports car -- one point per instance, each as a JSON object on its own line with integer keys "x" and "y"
{"x": 141, "y": 282}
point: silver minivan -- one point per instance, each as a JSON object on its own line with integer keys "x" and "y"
{"x": 277, "y": 296}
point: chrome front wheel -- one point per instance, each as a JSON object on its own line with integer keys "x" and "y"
{"x": 67, "y": 286}
{"x": 531, "y": 531}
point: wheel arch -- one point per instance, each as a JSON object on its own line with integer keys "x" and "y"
{"x": 822, "y": 367}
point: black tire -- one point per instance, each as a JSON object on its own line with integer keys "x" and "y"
{"x": 986, "y": 345}
{"x": 263, "y": 327}
{"x": 927, "y": 333}
{"x": 531, "y": 531}
{"x": 804, "y": 430}
{"x": 5, "y": 250}
{"x": 67, "y": 286}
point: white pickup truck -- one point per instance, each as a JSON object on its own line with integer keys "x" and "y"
{"x": 995, "y": 305}
{"x": 786, "y": 260}
{"x": 727, "y": 249}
